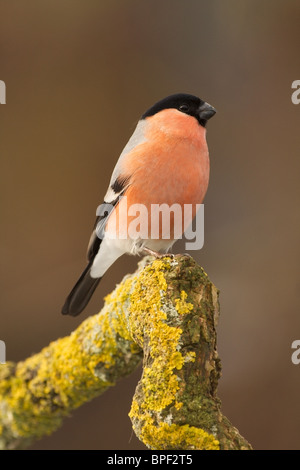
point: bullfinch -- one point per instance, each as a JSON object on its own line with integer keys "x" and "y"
{"x": 165, "y": 162}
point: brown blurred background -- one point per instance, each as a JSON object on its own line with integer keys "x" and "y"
{"x": 78, "y": 76}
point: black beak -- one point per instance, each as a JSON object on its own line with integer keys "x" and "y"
{"x": 205, "y": 112}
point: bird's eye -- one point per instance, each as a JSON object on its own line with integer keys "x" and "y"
{"x": 184, "y": 108}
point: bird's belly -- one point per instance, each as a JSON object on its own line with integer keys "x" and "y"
{"x": 178, "y": 176}
{"x": 163, "y": 197}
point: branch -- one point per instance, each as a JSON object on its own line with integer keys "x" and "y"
{"x": 167, "y": 312}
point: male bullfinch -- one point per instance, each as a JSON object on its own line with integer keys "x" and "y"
{"x": 165, "y": 161}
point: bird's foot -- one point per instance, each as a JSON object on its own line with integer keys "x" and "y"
{"x": 183, "y": 254}
{"x": 156, "y": 254}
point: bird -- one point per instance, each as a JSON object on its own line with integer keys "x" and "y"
{"x": 165, "y": 162}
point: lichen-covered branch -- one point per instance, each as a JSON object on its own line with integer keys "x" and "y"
{"x": 174, "y": 313}
{"x": 167, "y": 313}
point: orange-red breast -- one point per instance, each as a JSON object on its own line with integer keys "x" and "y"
{"x": 165, "y": 161}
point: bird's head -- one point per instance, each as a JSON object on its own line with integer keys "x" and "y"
{"x": 184, "y": 103}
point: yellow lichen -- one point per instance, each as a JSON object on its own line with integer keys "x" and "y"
{"x": 190, "y": 356}
{"x": 181, "y": 305}
{"x": 173, "y": 436}
{"x": 134, "y": 408}
{"x": 148, "y": 320}
{"x": 178, "y": 405}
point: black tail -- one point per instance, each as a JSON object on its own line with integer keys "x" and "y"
{"x": 81, "y": 293}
